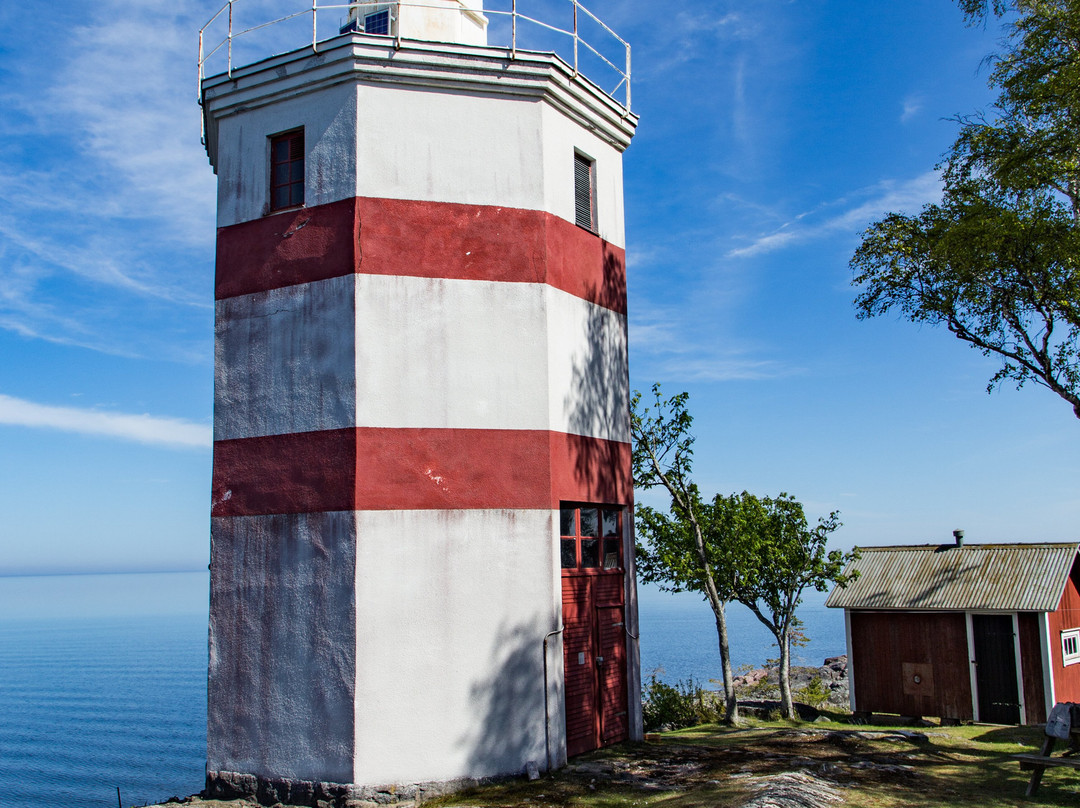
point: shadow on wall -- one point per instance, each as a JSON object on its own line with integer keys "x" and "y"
{"x": 598, "y": 402}
{"x": 508, "y": 731}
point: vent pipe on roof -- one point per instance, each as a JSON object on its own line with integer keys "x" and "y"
{"x": 959, "y": 536}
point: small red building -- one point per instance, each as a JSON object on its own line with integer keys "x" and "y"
{"x": 985, "y": 632}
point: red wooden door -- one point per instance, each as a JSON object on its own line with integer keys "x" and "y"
{"x": 579, "y": 662}
{"x": 611, "y": 670}
{"x": 594, "y": 656}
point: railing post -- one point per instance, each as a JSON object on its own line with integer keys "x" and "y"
{"x": 230, "y": 38}
{"x": 575, "y": 38}
{"x": 314, "y": 25}
{"x": 513, "y": 29}
{"x": 627, "y": 76}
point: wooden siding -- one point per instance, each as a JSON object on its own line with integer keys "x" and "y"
{"x": 1066, "y": 679}
{"x": 886, "y": 645}
{"x": 1031, "y": 667}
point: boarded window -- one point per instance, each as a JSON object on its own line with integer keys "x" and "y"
{"x": 287, "y": 170}
{"x": 584, "y": 192}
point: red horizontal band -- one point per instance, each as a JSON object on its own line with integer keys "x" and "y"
{"x": 416, "y": 469}
{"x": 419, "y": 239}
{"x": 301, "y": 246}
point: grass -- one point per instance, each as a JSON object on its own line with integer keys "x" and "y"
{"x": 868, "y": 766}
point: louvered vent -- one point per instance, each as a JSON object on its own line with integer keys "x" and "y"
{"x": 584, "y": 192}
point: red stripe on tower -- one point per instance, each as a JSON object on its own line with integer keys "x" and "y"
{"x": 379, "y": 237}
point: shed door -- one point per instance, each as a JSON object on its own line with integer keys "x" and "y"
{"x": 995, "y": 668}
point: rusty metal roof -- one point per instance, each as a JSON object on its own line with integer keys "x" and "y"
{"x": 1008, "y": 577}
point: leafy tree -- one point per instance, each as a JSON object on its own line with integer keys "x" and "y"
{"x": 760, "y": 552}
{"x": 674, "y": 549}
{"x": 997, "y": 261}
{"x": 778, "y": 556}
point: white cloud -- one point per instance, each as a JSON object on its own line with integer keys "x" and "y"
{"x": 878, "y": 200}
{"x": 668, "y": 351}
{"x": 912, "y": 106}
{"x": 148, "y": 429}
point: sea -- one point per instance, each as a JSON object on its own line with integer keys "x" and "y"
{"x": 103, "y": 678}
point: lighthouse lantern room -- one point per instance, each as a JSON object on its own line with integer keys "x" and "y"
{"x": 422, "y": 566}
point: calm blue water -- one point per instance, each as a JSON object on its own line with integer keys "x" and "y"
{"x": 678, "y": 636}
{"x": 102, "y": 684}
{"x": 103, "y": 679}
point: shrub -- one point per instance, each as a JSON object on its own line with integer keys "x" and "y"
{"x": 815, "y": 693}
{"x": 686, "y": 704}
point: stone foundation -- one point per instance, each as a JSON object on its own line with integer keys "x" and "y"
{"x": 272, "y": 791}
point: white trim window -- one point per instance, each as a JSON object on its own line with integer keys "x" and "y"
{"x": 1070, "y": 646}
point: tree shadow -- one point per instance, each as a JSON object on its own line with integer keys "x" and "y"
{"x": 597, "y": 406}
{"x": 516, "y": 724}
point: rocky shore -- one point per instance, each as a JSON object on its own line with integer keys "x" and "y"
{"x": 829, "y": 692}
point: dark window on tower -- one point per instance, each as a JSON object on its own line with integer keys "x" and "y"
{"x": 584, "y": 192}
{"x": 590, "y": 537}
{"x": 287, "y": 170}
{"x": 378, "y": 23}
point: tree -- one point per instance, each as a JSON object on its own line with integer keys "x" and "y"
{"x": 675, "y": 552}
{"x": 997, "y": 261}
{"x": 777, "y": 556}
{"x": 760, "y": 552}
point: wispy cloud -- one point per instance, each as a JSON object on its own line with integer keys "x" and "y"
{"x": 147, "y": 429}
{"x": 660, "y": 338}
{"x": 104, "y": 188}
{"x": 848, "y": 215}
{"x": 912, "y": 106}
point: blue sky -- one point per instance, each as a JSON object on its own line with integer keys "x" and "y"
{"x": 771, "y": 134}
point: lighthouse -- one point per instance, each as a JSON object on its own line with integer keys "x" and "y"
{"x": 422, "y": 567}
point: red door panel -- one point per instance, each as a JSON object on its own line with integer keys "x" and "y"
{"x": 594, "y": 659}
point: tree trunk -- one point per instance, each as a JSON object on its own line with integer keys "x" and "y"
{"x": 787, "y": 706}
{"x": 731, "y": 701}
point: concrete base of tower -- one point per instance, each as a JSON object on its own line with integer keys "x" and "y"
{"x": 273, "y": 791}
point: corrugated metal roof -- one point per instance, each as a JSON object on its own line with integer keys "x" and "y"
{"x": 1009, "y": 577}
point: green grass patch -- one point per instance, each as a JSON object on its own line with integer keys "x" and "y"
{"x": 868, "y": 766}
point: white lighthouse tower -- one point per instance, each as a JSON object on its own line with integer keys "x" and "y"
{"x": 422, "y": 559}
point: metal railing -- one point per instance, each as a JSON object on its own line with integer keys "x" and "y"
{"x": 227, "y": 16}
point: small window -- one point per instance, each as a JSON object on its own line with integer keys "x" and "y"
{"x": 584, "y": 192}
{"x": 1070, "y": 646}
{"x": 287, "y": 170}
{"x": 590, "y": 537}
{"x": 378, "y": 23}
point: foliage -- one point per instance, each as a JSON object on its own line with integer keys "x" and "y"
{"x": 997, "y": 261}
{"x": 759, "y": 551}
{"x": 814, "y": 693}
{"x": 680, "y": 550}
{"x": 686, "y": 704}
{"x": 779, "y": 556}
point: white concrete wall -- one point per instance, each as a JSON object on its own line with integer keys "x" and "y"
{"x": 282, "y": 645}
{"x": 446, "y": 147}
{"x": 588, "y": 381}
{"x": 452, "y": 608}
{"x": 510, "y": 152}
{"x": 329, "y": 120}
{"x": 406, "y": 143}
{"x": 562, "y": 137}
{"x": 449, "y": 21}
{"x": 284, "y": 360}
{"x": 391, "y": 351}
